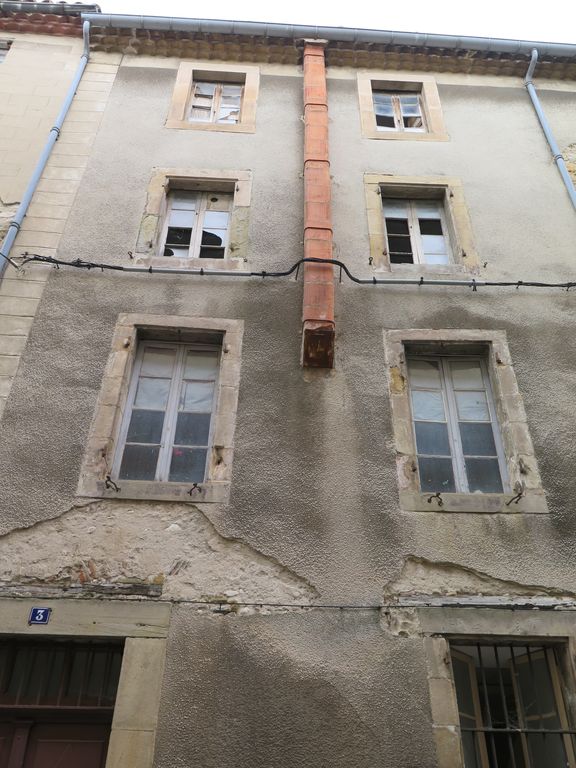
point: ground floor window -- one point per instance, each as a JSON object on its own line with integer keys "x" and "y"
{"x": 56, "y": 702}
{"x": 512, "y": 706}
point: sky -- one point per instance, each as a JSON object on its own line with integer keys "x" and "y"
{"x": 551, "y": 21}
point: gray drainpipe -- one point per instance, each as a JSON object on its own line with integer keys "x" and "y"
{"x": 16, "y": 222}
{"x": 558, "y": 159}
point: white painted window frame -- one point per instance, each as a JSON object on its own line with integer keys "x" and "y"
{"x": 397, "y": 109}
{"x": 450, "y": 406}
{"x": 414, "y": 229}
{"x": 169, "y": 426}
{"x": 199, "y": 213}
{"x": 216, "y": 102}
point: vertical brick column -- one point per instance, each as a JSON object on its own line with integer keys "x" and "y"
{"x": 318, "y": 304}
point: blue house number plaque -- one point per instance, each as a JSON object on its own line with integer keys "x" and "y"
{"x": 39, "y": 615}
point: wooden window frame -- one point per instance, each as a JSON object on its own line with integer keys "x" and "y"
{"x": 216, "y": 103}
{"x": 450, "y": 194}
{"x": 167, "y": 441}
{"x": 209, "y": 71}
{"x": 196, "y": 234}
{"x": 96, "y": 476}
{"x": 370, "y": 81}
{"x": 450, "y": 408}
{"x": 398, "y": 116}
{"x": 149, "y": 244}
{"x": 415, "y": 236}
{"x": 520, "y": 460}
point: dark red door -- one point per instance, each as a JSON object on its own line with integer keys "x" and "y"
{"x": 67, "y": 746}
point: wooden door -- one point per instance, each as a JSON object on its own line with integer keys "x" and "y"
{"x": 53, "y": 745}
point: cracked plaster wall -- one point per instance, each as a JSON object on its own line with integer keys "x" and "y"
{"x": 314, "y": 507}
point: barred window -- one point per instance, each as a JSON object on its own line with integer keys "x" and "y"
{"x": 511, "y": 706}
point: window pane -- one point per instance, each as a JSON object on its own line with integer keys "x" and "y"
{"x": 196, "y": 396}
{"x": 188, "y": 465}
{"x": 201, "y": 365}
{"x": 472, "y": 406}
{"x": 428, "y": 209}
{"x": 477, "y": 439}
{"x": 204, "y": 89}
{"x": 395, "y": 209}
{"x": 466, "y": 374}
{"x": 211, "y": 253}
{"x": 214, "y": 237}
{"x": 384, "y": 111}
{"x": 410, "y": 105}
{"x": 157, "y": 362}
{"x": 228, "y": 115}
{"x": 200, "y": 115}
{"x": 181, "y": 253}
{"x": 397, "y": 227}
{"x": 152, "y": 394}
{"x": 184, "y": 201}
{"x": 178, "y": 236}
{"x": 398, "y": 244}
{"x": 180, "y": 218}
{"x": 428, "y": 406}
{"x": 430, "y": 226}
{"x": 432, "y": 244}
{"x": 192, "y": 429}
{"x": 424, "y": 373}
{"x": 436, "y": 475}
{"x": 432, "y": 438}
{"x": 216, "y": 220}
{"x": 483, "y": 475}
{"x": 139, "y": 462}
{"x": 145, "y": 427}
{"x": 231, "y": 93}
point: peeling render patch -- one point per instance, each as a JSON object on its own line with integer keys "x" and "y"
{"x": 426, "y": 577}
{"x": 569, "y": 154}
{"x": 108, "y": 544}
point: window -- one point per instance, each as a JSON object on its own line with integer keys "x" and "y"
{"x": 215, "y": 102}
{"x": 164, "y": 423}
{"x": 4, "y": 48}
{"x": 460, "y": 429}
{"x": 197, "y": 224}
{"x": 215, "y": 97}
{"x": 419, "y": 220}
{"x": 416, "y": 231}
{"x": 406, "y": 109}
{"x": 398, "y": 111}
{"x": 166, "y": 431}
{"x": 511, "y": 706}
{"x": 457, "y": 440}
{"x": 195, "y": 214}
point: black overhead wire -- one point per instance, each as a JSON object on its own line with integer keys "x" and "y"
{"x": 470, "y": 283}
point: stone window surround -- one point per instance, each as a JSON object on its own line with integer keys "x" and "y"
{"x": 446, "y": 188}
{"x": 144, "y": 628}
{"x": 439, "y": 626}
{"x": 426, "y": 84}
{"x": 165, "y": 179}
{"x": 110, "y": 408}
{"x": 177, "y": 117}
{"x": 519, "y": 452}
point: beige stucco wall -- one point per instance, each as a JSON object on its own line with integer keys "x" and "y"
{"x": 34, "y": 79}
{"x": 314, "y": 513}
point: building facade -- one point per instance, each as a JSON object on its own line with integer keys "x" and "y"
{"x": 266, "y": 512}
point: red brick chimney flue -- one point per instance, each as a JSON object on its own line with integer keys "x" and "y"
{"x": 318, "y": 305}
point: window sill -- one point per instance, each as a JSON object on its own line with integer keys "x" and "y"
{"x": 404, "y": 136}
{"x": 218, "y": 127}
{"x": 194, "y": 265}
{"x": 433, "y": 270}
{"x": 208, "y": 492}
{"x": 533, "y": 503}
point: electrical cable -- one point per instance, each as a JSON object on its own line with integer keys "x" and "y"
{"x": 472, "y": 283}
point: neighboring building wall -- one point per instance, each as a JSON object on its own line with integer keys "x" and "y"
{"x": 314, "y": 512}
{"x": 34, "y": 78}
